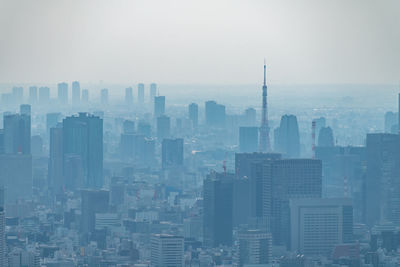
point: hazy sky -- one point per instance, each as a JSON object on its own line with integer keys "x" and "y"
{"x": 207, "y": 41}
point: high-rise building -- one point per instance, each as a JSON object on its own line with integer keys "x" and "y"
{"x": 128, "y": 96}
{"x": 153, "y": 92}
{"x": 25, "y": 109}
{"x": 318, "y": 225}
{"x": 264, "y": 145}
{"x": 56, "y": 159}
{"x": 163, "y": 128}
{"x": 254, "y": 247}
{"x": 215, "y": 114}
{"x": 16, "y": 176}
{"x": 248, "y": 139}
{"x": 250, "y": 117}
{"x": 288, "y": 138}
{"x": 44, "y": 95}
{"x": 172, "y": 153}
{"x": 167, "y": 250}
{"x": 63, "y": 93}
{"x": 85, "y": 96}
{"x": 194, "y": 114}
{"x": 83, "y": 136}
{"x": 104, "y": 96}
{"x": 282, "y": 180}
{"x": 140, "y": 93}
{"x": 391, "y": 120}
{"x": 144, "y": 128}
{"x": 159, "y": 106}
{"x": 382, "y": 181}
{"x": 218, "y": 206}
{"x": 325, "y": 137}
{"x": 93, "y": 201}
{"x": 17, "y": 134}
{"x": 33, "y": 95}
{"x": 128, "y": 126}
{"x": 76, "y": 93}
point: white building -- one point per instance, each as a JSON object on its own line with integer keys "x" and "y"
{"x": 167, "y": 251}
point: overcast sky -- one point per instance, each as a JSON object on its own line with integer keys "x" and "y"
{"x": 207, "y": 41}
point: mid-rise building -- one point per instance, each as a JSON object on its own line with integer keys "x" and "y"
{"x": 254, "y": 247}
{"x": 167, "y": 251}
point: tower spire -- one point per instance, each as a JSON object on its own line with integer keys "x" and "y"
{"x": 265, "y": 74}
{"x": 264, "y": 143}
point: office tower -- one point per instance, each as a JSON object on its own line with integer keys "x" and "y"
{"x": 144, "y": 129}
{"x": 242, "y": 201}
{"x": 128, "y": 126}
{"x": 76, "y": 93}
{"x": 244, "y": 161}
{"x": 319, "y": 123}
{"x": 85, "y": 96}
{"x": 218, "y": 206}
{"x": 25, "y": 109}
{"x": 391, "y": 120}
{"x": 172, "y": 153}
{"x": 215, "y": 114}
{"x": 93, "y": 201}
{"x": 282, "y": 180}
{"x": 128, "y": 96}
{"x": 254, "y": 247}
{"x": 33, "y": 95}
{"x": 63, "y": 93}
{"x": 159, "y": 106}
{"x": 288, "y": 138}
{"x": 16, "y": 176}
{"x": 194, "y": 114}
{"x": 248, "y": 139}
{"x": 250, "y": 117}
{"x": 104, "y": 96}
{"x": 44, "y": 95}
{"x": 166, "y": 250}
{"x": 382, "y": 181}
{"x": 3, "y": 248}
{"x": 83, "y": 136}
{"x": 51, "y": 121}
{"x": 325, "y": 137}
{"x": 264, "y": 145}
{"x": 163, "y": 127}
{"x": 18, "y": 95}
{"x": 140, "y": 93}
{"x": 56, "y": 159}
{"x": 153, "y": 92}
{"x": 318, "y": 225}
{"x": 17, "y": 134}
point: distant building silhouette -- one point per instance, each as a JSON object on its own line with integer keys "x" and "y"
{"x": 194, "y": 114}
{"x": 63, "y": 93}
{"x": 17, "y": 134}
{"x": 288, "y": 138}
{"x": 391, "y": 122}
{"x": 325, "y": 137}
{"x": 172, "y": 153}
{"x": 33, "y": 95}
{"x": 76, "y": 93}
{"x": 129, "y": 96}
{"x": 44, "y": 95}
{"x": 153, "y": 92}
{"x": 104, "y": 96}
{"x": 159, "y": 106}
{"x": 85, "y": 96}
{"x": 250, "y": 117}
{"x": 140, "y": 93}
{"x": 215, "y": 114}
{"x": 163, "y": 128}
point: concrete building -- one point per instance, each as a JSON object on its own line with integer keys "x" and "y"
{"x": 167, "y": 251}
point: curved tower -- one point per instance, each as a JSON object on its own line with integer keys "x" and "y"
{"x": 264, "y": 143}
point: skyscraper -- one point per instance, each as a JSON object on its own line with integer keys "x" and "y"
{"x": 382, "y": 181}
{"x": 248, "y": 139}
{"x": 264, "y": 145}
{"x": 63, "y": 93}
{"x": 153, "y": 92}
{"x": 317, "y": 225}
{"x": 76, "y": 93}
{"x": 33, "y": 95}
{"x": 163, "y": 127}
{"x": 172, "y": 153}
{"x": 215, "y": 114}
{"x": 325, "y": 137}
{"x": 140, "y": 93}
{"x": 288, "y": 137}
{"x": 17, "y": 134}
{"x": 167, "y": 250}
{"x": 18, "y": 95}
{"x": 83, "y": 136}
{"x": 128, "y": 96}
{"x": 194, "y": 114}
{"x": 159, "y": 106}
{"x": 93, "y": 201}
{"x": 51, "y": 121}
{"x": 250, "y": 117}
{"x": 218, "y": 206}
{"x": 56, "y": 159}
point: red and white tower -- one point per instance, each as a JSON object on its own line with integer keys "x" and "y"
{"x": 264, "y": 143}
